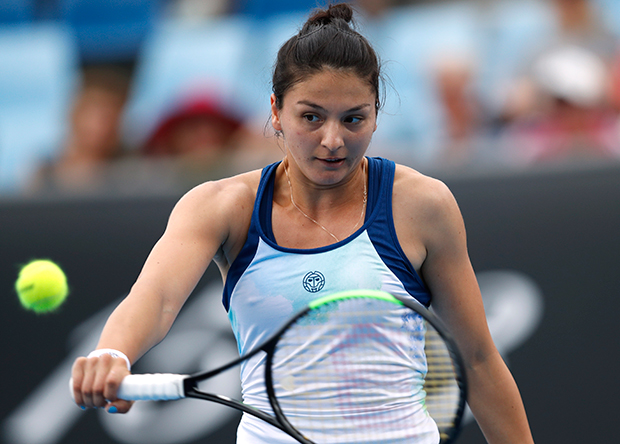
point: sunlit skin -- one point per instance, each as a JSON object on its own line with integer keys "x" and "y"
{"x": 324, "y": 116}
{"x": 327, "y": 122}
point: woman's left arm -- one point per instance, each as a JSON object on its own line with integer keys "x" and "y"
{"x": 446, "y": 268}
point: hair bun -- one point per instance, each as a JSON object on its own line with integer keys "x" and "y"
{"x": 341, "y": 11}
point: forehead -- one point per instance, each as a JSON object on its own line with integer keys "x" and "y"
{"x": 332, "y": 85}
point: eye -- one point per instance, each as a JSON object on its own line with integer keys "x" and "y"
{"x": 312, "y": 118}
{"x": 353, "y": 119}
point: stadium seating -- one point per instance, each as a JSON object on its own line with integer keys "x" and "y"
{"x": 38, "y": 71}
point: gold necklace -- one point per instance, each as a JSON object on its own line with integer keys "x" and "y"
{"x": 290, "y": 187}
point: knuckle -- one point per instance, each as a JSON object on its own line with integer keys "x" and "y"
{"x": 97, "y": 390}
{"x": 78, "y": 366}
{"x": 79, "y": 362}
{"x": 91, "y": 363}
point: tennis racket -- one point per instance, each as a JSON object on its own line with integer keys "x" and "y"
{"x": 354, "y": 367}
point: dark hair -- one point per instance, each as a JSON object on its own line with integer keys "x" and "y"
{"x": 326, "y": 40}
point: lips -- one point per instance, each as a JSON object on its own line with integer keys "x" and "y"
{"x": 332, "y": 161}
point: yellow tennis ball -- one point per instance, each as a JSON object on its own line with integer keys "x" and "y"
{"x": 41, "y": 286}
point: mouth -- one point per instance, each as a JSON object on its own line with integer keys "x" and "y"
{"x": 332, "y": 161}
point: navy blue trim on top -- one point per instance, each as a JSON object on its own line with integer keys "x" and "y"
{"x": 266, "y": 206}
{"x": 265, "y": 227}
{"x": 382, "y": 232}
{"x": 379, "y": 223}
{"x": 244, "y": 259}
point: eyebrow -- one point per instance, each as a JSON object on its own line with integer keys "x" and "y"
{"x": 320, "y": 108}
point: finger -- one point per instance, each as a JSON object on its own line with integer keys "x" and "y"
{"x": 103, "y": 364}
{"x": 88, "y": 379}
{"x": 115, "y": 376}
{"x": 119, "y": 406}
{"x": 77, "y": 378}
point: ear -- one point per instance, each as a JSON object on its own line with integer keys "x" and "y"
{"x": 376, "y": 120}
{"x": 275, "y": 114}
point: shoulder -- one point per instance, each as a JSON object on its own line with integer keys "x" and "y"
{"x": 220, "y": 204}
{"x": 425, "y": 209}
{"x": 426, "y": 217}
{"x": 416, "y": 190}
{"x": 230, "y": 191}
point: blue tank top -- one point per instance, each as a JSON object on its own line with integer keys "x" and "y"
{"x": 267, "y": 284}
{"x": 283, "y": 280}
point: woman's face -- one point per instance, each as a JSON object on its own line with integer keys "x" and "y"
{"x": 327, "y": 122}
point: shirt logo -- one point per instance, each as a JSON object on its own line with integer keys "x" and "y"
{"x": 314, "y": 281}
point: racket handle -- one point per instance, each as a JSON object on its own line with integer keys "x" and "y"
{"x": 152, "y": 387}
{"x": 148, "y": 387}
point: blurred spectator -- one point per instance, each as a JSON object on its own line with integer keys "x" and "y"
{"x": 463, "y": 142}
{"x": 372, "y": 9}
{"x": 202, "y": 138}
{"x": 198, "y": 129}
{"x": 94, "y": 139}
{"x": 430, "y": 53}
{"x": 615, "y": 83}
{"x": 580, "y": 24}
{"x": 577, "y": 23}
{"x": 572, "y": 118}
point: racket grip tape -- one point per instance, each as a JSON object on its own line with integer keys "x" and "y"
{"x": 149, "y": 387}
{"x": 152, "y": 387}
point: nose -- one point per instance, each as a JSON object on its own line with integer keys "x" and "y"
{"x": 333, "y": 137}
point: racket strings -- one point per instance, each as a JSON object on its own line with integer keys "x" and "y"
{"x": 441, "y": 385}
{"x": 365, "y": 371}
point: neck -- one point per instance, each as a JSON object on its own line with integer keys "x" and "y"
{"x": 311, "y": 194}
{"x": 312, "y": 212}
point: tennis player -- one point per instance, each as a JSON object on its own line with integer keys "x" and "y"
{"x": 326, "y": 218}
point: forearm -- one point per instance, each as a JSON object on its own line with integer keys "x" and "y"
{"x": 139, "y": 322}
{"x": 145, "y": 316}
{"x": 496, "y": 403}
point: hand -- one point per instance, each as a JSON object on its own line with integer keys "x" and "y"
{"x": 96, "y": 381}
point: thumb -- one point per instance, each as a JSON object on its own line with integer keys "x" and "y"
{"x": 119, "y": 406}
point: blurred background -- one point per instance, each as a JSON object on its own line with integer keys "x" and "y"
{"x": 111, "y": 109}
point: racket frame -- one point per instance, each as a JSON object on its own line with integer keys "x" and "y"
{"x": 279, "y": 420}
{"x": 412, "y": 304}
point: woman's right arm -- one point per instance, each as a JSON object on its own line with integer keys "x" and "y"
{"x": 198, "y": 227}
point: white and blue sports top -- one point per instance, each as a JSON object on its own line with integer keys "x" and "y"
{"x": 267, "y": 284}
